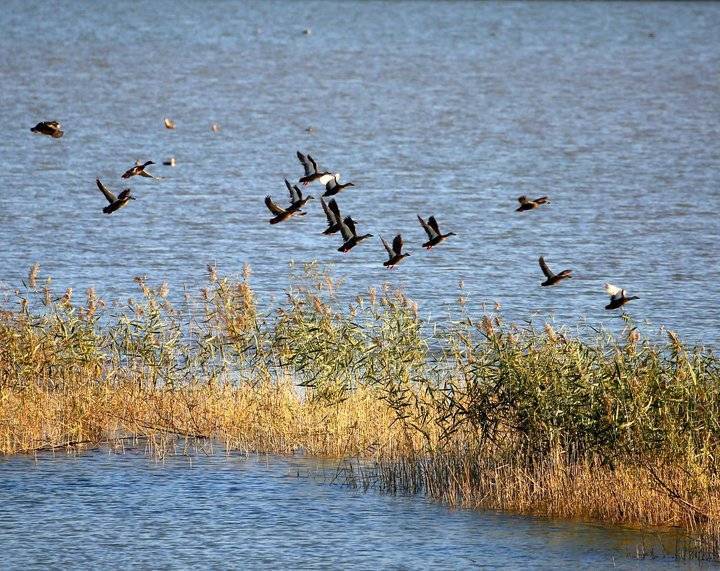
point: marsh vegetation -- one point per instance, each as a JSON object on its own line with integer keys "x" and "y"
{"x": 474, "y": 412}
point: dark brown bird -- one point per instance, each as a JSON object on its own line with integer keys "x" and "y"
{"x": 527, "y": 204}
{"x": 350, "y": 235}
{"x": 139, "y": 169}
{"x": 116, "y": 202}
{"x": 552, "y": 278}
{"x": 332, "y": 212}
{"x": 312, "y": 172}
{"x": 281, "y": 213}
{"x": 296, "y": 196}
{"x": 395, "y": 255}
{"x": 51, "y": 128}
{"x": 333, "y": 186}
{"x": 433, "y": 232}
{"x": 618, "y": 297}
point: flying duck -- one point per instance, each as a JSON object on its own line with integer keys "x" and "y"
{"x": 281, "y": 213}
{"x": 116, "y": 202}
{"x": 350, "y": 235}
{"x": 52, "y": 128}
{"x": 618, "y": 296}
{"x": 296, "y": 196}
{"x": 552, "y": 278}
{"x": 332, "y": 212}
{"x": 433, "y": 232}
{"x": 169, "y": 123}
{"x": 139, "y": 169}
{"x": 527, "y": 204}
{"x": 333, "y": 186}
{"x": 312, "y": 172}
{"x": 395, "y": 254}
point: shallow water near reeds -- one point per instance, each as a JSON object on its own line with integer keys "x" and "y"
{"x": 124, "y": 510}
{"x": 452, "y": 109}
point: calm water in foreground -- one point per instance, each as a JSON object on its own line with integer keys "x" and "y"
{"x": 106, "y": 510}
{"x": 451, "y": 108}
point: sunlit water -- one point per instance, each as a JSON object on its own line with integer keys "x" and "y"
{"x": 107, "y": 510}
{"x": 452, "y": 109}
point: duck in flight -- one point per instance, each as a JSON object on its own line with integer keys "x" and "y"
{"x": 51, "y": 128}
{"x": 281, "y": 214}
{"x": 296, "y": 196}
{"x": 139, "y": 169}
{"x": 116, "y": 202}
{"x": 527, "y": 204}
{"x": 350, "y": 235}
{"x": 312, "y": 171}
{"x": 618, "y": 297}
{"x": 552, "y": 278}
{"x": 433, "y": 232}
{"x": 333, "y": 186}
{"x": 395, "y": 255}
{"x": 332, "y": 212}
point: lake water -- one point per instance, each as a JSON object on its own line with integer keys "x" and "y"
{"x": 449, "y": 108}
{"x": 107, "y": 510}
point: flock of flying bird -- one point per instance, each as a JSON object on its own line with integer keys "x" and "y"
{"x": 336, "y": 222}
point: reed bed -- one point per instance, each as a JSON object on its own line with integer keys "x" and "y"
{"x": 473, "y": 412}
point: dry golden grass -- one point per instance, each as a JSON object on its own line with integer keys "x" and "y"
{"x": 473, "y": 413}
{"x": 266, "y": 418}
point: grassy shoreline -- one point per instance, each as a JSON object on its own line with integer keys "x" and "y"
{"x": 474, "y": 413}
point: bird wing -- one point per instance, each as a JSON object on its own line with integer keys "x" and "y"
{"x": 298, "y": 192}
{"x": 313, "y": 165}
{"x": 613, "y": 291}
{"x": 307, "y": 164}
{"x": 388, "y": 249}
{"x": 124, "y": 193}
{"x": 430, "y": 232}
{"x": 295, "y": 194}
{"x": 326, "y": 178}
{"x": 130, "y": 172}
{"x": 434, "y": 225}
{"x": 347, "y": 229}
{"x": 109, "y": 195}
{"x": 272, "y": 207}
{"x": 545, "y": 269}
{"x": 522, "y": 199}
{"x": 335, "y": 209}
{"x": 331, "y": 184}
{"x": 328, "y": 212}
{"x": 397, "y": 244}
